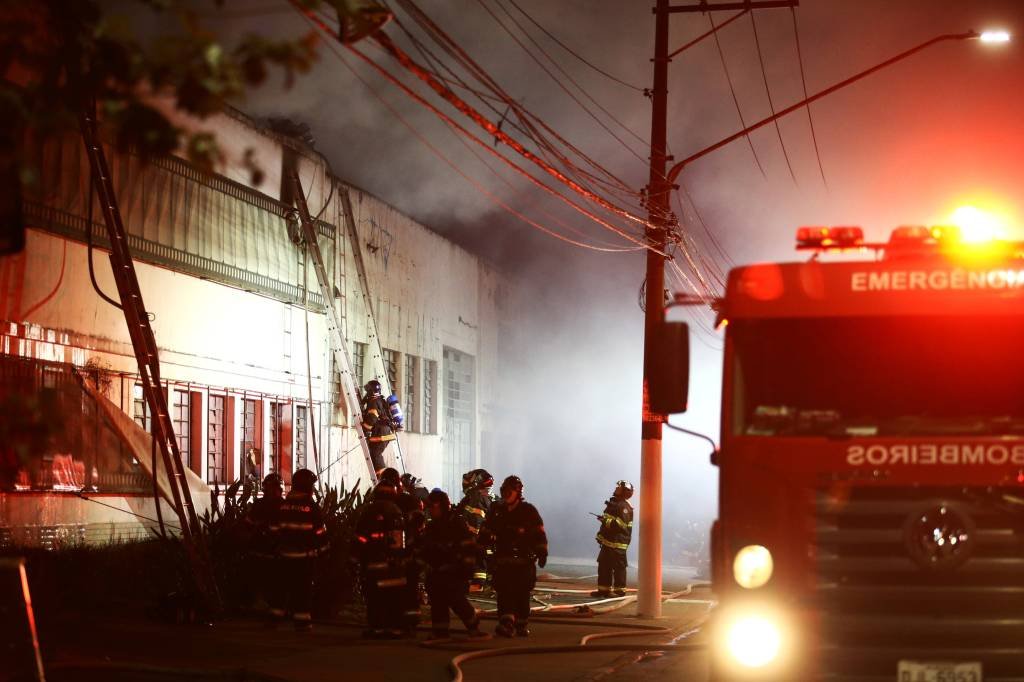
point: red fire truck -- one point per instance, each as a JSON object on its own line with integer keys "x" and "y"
{"x": 871, "y": 510}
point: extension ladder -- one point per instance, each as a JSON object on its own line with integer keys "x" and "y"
{"x": 146, "y": 353}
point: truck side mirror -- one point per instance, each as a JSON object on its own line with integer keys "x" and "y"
{"x": 669, "y": 378}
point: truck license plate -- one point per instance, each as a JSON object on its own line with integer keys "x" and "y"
{"x": 927, "y": 671}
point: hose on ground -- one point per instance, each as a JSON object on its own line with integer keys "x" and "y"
{"x": 627, "y": 630}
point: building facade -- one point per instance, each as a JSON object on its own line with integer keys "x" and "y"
{"x": 241, "y": 325}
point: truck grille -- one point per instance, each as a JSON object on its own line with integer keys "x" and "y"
{"x": 887, "y": 589}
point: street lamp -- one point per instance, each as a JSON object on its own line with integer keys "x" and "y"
{"x": 988, "y": 37}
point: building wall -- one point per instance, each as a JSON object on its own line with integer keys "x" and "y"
{"x": 216, "y": 337}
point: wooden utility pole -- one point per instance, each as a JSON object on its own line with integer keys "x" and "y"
{"x": 660, "y": 219}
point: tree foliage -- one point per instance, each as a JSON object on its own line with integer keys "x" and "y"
{"x": 58, "y": 57}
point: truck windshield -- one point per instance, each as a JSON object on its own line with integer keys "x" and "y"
{"x": 878, "y": 376}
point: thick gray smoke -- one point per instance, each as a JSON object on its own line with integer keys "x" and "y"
{"x": 904, "y": 146}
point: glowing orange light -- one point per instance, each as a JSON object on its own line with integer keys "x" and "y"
{"x": 977, "y": 226}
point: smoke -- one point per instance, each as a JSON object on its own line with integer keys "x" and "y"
{"x": 899, "y": 147}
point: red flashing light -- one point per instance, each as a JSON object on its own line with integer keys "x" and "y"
{"x": 840, "y": 237}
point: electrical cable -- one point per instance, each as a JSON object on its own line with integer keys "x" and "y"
{"x": 768, "y": 91}
{"x": 559, "y": 83}
{"x": 430, "y": 146}
{"x": 460, "y": 55}
{"x": 82, "y": 496}
{"x": 735, "y": 99}
{"x": 571, "y": 51}
{"x": 60, "y": 280}
{"x": 88, "y": 242}
{"x": 508, "y": 162}
{"x": 618, "y": 187}
{"x": 702, "y": 36}
{"x": 803, "y": 82}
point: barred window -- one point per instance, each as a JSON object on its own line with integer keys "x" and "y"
{"x": 217, "y": 465}
{"x": 390, "y": 359}
{"x": 358, "y": 363}
{"x": 140, "y": 409}
{"x": 429, "y": 397}
{"x": 300, "y": 437}
{"x": 182, "y": 418}
{"x": 276, "y": 419}
{"x": 253, "y": 464}
{"x": 410, "y": 399}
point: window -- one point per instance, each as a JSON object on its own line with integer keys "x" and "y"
{"x": 140, "y": 409}
{"x": 216, "y": 464}
{"x": 181, "y": 417}
{"x": 358, "y": 363}
{"x": 277, "y": 416}
{"x": 300, "y": 437}
{"x": 410, "y": 399}
{"x": 390, "y": 359}
{"x": 429, "y": 397}
{"x": 253, "y": 465}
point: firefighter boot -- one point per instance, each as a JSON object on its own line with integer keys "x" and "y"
{"x": 522, "y": 630}
{"x": 473, "y": 631}
{"x": 601, "y": 593}
{"x": 506, "y": 626}
{"x": 619, "y": 592}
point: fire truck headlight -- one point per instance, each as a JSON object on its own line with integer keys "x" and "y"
{"x": 752, "y": 566}
{"x": 753, "y": 641}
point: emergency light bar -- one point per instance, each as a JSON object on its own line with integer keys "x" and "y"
{"x": 843, "y": 237}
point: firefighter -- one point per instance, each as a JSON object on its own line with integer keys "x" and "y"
{"x": 614, "y": 535}
{"x": 515, "y": 530}
{"x": 476, "y": 500}
{"x": 299, "y": 536}
{"x": 449, "y": 551}
{"x": 258, "y": 538}
{"x": 380, "y": 550}
{"x": 377, "y": 426}
{"x": 414, "y": 519}
{"x": 412, "y": 485}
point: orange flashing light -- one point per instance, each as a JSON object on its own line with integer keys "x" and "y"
{"x": 722, "y": 324}
{"x": 840, "y": 237}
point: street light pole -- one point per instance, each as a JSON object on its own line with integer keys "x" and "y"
{"x": 968, "y": 35}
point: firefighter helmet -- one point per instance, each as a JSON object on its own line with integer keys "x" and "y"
{"x": 303, "y": 480}
{"x": 624, "y": 489}
{"x": 373, "y": 387}
{"x": 385, "y": 489}
{"x": 271, "y": 482}
{"x": 483, "y": 479}
{"x": 409, "y": 481}
{"x": 391, "y": 476}
{"x": 469, "y": 480}
{"x": 438, "y": 496}
{"x": 512, "y": 483}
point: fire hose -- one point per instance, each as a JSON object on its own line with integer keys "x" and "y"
{"x": 557, "y": 613}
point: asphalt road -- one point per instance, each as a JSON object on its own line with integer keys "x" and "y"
{"x": 110, "y": 649}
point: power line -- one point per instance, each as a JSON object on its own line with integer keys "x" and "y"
{"x": 571, "y": 51}
{"x": 459, "y": 54}
{"x": 443, "y": 158}
{"x": 531, "y": 133}
{"x": 735, "y": 99}
{"x": 447, "y": 119}
{"x": 570, "y": 79}
{"x": 768, "y": 91}
{"x": 803, "y": 82}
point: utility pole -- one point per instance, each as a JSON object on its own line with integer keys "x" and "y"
{"x": 660, "y": 219}
{"x": 658, "y": 209}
